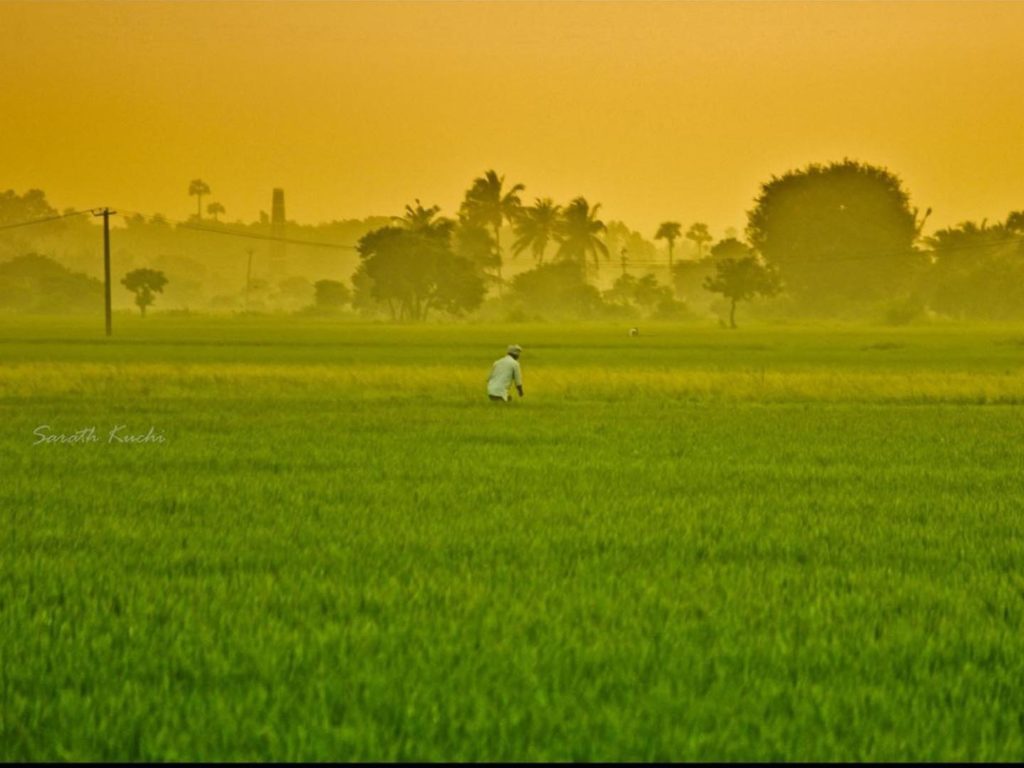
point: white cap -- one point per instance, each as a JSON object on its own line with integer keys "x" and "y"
{"x": 514, "y": 350}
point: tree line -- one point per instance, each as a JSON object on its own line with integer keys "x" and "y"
{"x": 839, "y": 239}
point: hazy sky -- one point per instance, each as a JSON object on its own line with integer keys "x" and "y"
{"x": 667, "y": 110}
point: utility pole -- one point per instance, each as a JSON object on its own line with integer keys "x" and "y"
{"x": 622, "y": 256}
{"x": 106, "y": 213}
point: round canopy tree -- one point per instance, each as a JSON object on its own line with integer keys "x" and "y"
{"x": 838, "y": 233}
{"x": 144, "y": 283}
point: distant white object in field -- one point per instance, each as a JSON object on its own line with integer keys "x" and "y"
{"x": 634, "y": 331}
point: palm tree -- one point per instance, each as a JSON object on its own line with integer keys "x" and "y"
{"x": 670, "y": 231}
{"x": 488, "y": 203}
{"x": 215, "y": 209}
{"x": 700, "y": 236}
{"x": 578, "y": 235}
{"x": 423, "y": 221}
{"x": 537, "y": 226}
{"x": 198, "y": 187}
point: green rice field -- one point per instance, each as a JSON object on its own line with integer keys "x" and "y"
{"x": 325, "y": 543}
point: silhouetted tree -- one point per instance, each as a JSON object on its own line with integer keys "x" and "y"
{"x": 558, "y": 289}
{"x": 650, "y": 293}
{"x": 623, "y": 290}
{"x": 486, "y": 202}
{"x": 844, "y": 231}
{"x": 412, "y": 269}
{"x": 198, "y": 188}
{"x": 669, "y": 231}
{"x": 34, "y": 283}
{"x": 700, "y": 236}
{"x": 730, "y": 248}
{"x": 425, "y": 221}
{"x": 978, "y": 271}
{"x": 331, "y": 294}
{"x": 618, "y": 236}
{"x": 475, "y": 243}
{"x": 144, "y": 283}
{"x": 688, "y": 277}
{"x": 578, "y": 233}
{"x": 644, "y": 293}
{"x": 536, "y": 227}
{"x": 32, "y": 205}
{"x": 215, "y": 210}
{"x": 742, "y": 280}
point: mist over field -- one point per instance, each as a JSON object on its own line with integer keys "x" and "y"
{"x": 839, "y": 240}
{"x": 511, "y": 381}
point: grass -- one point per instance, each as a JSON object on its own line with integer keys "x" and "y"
{"x": 789, "y": 544}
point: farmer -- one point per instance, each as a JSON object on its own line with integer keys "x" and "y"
{"x": 503, "y": 373}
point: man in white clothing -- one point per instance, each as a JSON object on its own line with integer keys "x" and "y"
{"x": 504, "y": 373}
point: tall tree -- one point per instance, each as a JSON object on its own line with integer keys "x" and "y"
{"x": 144, "y": 283}
{"x": 536, "y": 227}
{"x": 669, "y": 231}
{"x": 699, "y": 234}
{"x": 198, "y": 188}
{"x": 837, "y": 233}
{"x": 741, "y": 280}
{"x": 578, "y": 235}
{"x": 487, "y": 202}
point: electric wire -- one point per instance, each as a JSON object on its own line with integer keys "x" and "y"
{"x": 30, "y": 222}
{"x": 247, "y": 235}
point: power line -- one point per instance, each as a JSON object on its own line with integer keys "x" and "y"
{"x": 253, "y": 235}
{"x": 44, "y": 220}
{"x": 269, "y": 238}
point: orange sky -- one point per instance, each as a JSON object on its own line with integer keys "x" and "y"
{"x": 666, "y": 110}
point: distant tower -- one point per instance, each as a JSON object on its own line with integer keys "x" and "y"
{"x": 278, "y": 250}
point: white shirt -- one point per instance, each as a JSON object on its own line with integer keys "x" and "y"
{"x": 503, "y": 373}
